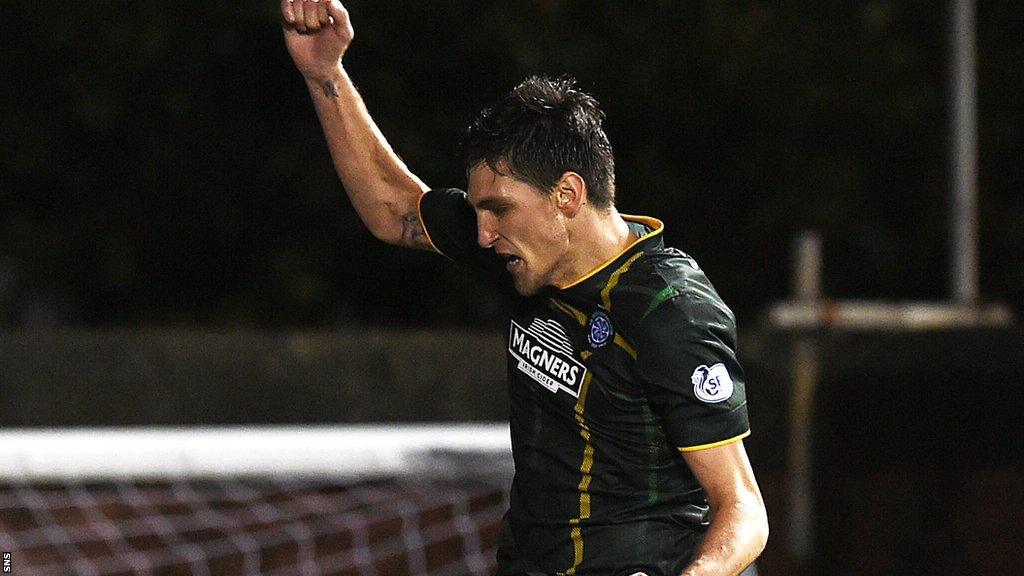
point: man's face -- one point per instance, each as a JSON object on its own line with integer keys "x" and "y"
{"x": 523, "y": 225}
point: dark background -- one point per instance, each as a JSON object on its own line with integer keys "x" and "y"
{"x": 162, "y": 164}
{"x": 175, "y": 248}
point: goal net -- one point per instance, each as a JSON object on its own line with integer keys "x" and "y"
{"x": 365, "y": 500}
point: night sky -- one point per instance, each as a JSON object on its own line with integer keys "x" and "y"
{"x": 161, "y": 163}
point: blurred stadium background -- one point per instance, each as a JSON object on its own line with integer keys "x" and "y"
{"x": 177, "y": 256}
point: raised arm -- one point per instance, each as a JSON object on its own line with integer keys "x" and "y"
{"x": 383, "y": 191}
{"x": 739, "y": 524}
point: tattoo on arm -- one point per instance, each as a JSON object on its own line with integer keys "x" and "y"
{"x": 329, "y": 88}
{"x": 413, "y": 234}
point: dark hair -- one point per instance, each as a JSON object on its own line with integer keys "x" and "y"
{"x": 542, "y": 129}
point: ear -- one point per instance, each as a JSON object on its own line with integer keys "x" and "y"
{"x": 570, "y": 194}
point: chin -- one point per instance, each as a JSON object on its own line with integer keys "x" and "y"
{"x": 525, "y": 287}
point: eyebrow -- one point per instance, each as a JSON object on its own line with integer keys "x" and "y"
{"x": 491, "y": 204}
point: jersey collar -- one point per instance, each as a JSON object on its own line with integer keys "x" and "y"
{"x": 649, "y": 238}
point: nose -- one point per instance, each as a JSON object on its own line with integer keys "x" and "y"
{"x": 486, "y": 235}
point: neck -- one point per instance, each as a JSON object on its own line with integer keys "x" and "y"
{"x": 597, "y": 238}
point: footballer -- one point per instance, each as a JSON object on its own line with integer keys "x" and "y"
{"x": 627, "y": 404}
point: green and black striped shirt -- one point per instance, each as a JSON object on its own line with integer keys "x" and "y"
{"x": 609, "y": 378}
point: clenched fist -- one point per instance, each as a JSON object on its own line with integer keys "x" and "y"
{"x": 317, "y": 33}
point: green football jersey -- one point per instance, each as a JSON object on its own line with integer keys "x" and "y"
{"x": 609, "y": 378}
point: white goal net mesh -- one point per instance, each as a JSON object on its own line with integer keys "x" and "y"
{"x": 440, "y": 515}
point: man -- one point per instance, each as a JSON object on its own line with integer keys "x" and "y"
{"x": 628, "y": 407}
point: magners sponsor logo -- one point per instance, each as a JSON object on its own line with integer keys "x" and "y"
{"x": 543, "y": 352}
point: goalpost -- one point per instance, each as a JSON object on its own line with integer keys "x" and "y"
{"x": 809, "y": 311}
{"x": 808, "y": 314}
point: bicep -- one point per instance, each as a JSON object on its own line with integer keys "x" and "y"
{"x": 414, "y": 234}
{"x": 398, "y": 221}
{"x": 739, "y": 521}
{"x": 394, "y": 217}
{"x": 725, "y": 474}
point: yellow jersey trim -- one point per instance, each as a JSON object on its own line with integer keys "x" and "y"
{"x": 576, "y": 532}
{"x": 419, "y": 214}
{"x": 582, "y": 319}
{"x": 657, "y": 227}
{"x": 613, "y": 281}
{"x": 579, "y": 316}
{"x": 714, "y": 444}
{"x": 625, "y": 346}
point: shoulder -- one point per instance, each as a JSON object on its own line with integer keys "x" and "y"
{"x": 666, "y": 294}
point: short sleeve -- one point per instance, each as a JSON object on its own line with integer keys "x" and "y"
{"x": 450, "y": 223}
{"x": 687, "y": 365}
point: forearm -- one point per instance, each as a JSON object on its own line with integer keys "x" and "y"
{"x": 736, "y": 537}
{"x": 381, "y": 188}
